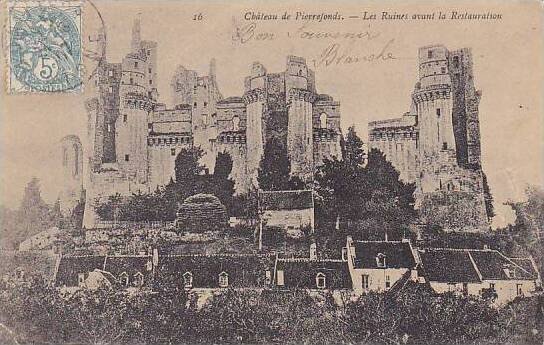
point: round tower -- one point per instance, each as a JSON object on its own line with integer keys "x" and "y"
{"x": 255, "y": 107}
{"x": 433, "y": 100}
{"x": 300, "y": 133}
{"x": 132, "y": 123}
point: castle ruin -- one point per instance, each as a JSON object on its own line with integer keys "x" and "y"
{"x": 134, "y": 139}
{"x": 437, "y": 143}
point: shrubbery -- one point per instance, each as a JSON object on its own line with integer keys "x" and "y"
{"x": 35, "y": 313}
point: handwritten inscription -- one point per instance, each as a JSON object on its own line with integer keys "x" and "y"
{"x": 249, "y": 32}
{"x": 340, "y": 54}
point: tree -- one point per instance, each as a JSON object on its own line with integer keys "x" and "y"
{"x": 223, "y": 186}
{"x": 187, "y": 164}
{"x": 275, "y": 168}
{"x": 488, "y": 198}
{"x": 352, "y": 149}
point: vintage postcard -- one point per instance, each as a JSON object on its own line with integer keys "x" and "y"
{"x": 345, "y": 172}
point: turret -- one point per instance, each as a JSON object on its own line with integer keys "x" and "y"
{"x": 300, "y": 133}
{"x": 255, "y": 107}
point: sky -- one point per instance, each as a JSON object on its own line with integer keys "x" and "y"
{"x": 507, "y": 57}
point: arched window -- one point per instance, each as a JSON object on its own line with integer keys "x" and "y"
{"x": 380, "y": 260}
{"x": 138, "y": 279}
{"x": 320, "y": 280}
{"x": 235, "y": 123}
{"x": 223, "y": 279}
{"x": 123, "y": 279}
{"x": 187, "y": 280}
{"x": 76, "y": 160}
{"x": 64, "y": 156}
{"x": 323, "y": 120}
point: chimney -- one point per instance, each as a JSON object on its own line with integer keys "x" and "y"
{"x": 212, "y": 69}
{"x": 313, "y": 251}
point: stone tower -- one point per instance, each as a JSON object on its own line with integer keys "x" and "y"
{"x": 300, "y": 133}
{"x": 136, "y": 94}
{"x": 300, "y": 99}
{"x": 72, "y": 174}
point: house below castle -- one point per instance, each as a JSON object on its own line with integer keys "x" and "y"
{"x": 365, "y": 266}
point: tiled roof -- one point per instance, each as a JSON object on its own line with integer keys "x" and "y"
{"x": 473, "y": 265}
{"x": 71, "y": 266}
{"x": 116, "y": 265}
{"x": 302, "y": 273}
{"x": 448, "y": 266}
{"x": 527, "y": 264}
{"x": 492, "y": 265}
{"x": 286, "y": 200}
{"x": 243, "y": 270}
{"x": 397, "y": 254}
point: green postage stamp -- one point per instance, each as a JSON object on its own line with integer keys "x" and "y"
{"x": 45, "y": 48}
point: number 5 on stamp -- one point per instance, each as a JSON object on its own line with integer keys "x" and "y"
{"x": 44, "y": 48}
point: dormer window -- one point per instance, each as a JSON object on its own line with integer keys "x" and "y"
{"x": 344, "y": 254}
{"x": 223, "y": 279}
{"x": 509, "y": 271}
{"x": 138, "y": 279}
{"x": 187, "y": 280}
{"x": 380, "y": 260}
{"x": 320, "y": 280}
{"x": 123, "y": 279}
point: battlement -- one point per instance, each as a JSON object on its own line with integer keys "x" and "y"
{"x": 301, "y": 95}
{"x": 324, "y": 135}
{"x": 232, "y": 137}
{"x": 435, "y": 92}
{"x": 255, "y": 95}
{"x": 169, "y": 140}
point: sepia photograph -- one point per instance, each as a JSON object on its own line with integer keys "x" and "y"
{"x": 250, "y": 172}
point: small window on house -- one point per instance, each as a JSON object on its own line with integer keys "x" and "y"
{"x": 173, "y": 152}
{"x": 438, "y": 112}
{"x": 194, "y": 104}
{"x": 443, "y": 70}
{"x": 268, "y": 277}
{"x": 136, "y": 64}
{"x": 280, "y": 277}
{"x": 465, "y": 288}
{"x": 387, "y": 281}
{"x": 519, "y": 290}
{"x": 188, "y": 279}
{"x": 149, "y": 53}
{"x": 223, "y": 279}
{"x": 131, "y": 81}
{"x": 138, "y": 279}
{"x": 444, "y": 146}
{"x": 123, "y": 279}
{"x": 492, "y": 286}
{"x": 124, "y": 118}
{"x": 430, "y": 54}
{"x": 149, "y": 69}
{"x": 109, "y": 127}
{"x": 150, "y": 81}
{"x": 205, "y": 104}
{"x": 365, "y": 281}
{"x": 344, "y": 254}
{"x": 320, "y": 280}
{"x": 380, "y": 260}
{"x": 110, "y": 73}
{"x": 110, "y": 89}
{"x": 80, "y": 279}
{"x": 127, "y": 158}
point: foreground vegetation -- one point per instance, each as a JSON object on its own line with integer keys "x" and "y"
{"x": 35, "y": 313}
